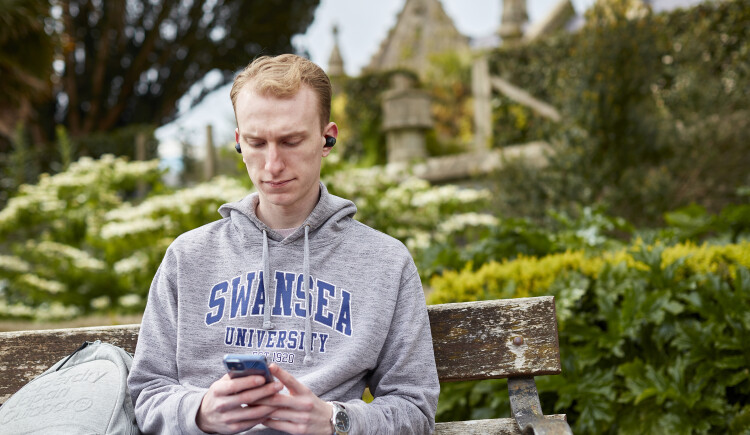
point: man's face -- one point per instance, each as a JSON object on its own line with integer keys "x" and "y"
{"x": 282, "y": 147}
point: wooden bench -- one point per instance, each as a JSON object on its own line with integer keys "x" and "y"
{"x": 509, "y": 338}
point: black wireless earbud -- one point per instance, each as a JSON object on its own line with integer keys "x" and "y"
{"x": 238, "y": 148}
{"x": 330, "y": 141}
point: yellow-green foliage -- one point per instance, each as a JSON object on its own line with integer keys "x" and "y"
{"x": 530, "y": 276}
{"x": 647, "y": 335}
{"x": 708, "y": 258}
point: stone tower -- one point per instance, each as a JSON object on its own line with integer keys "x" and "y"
{"x": 406, "y": 117}
{"x": 513, "y": 20}
{"x": 335, "y": 62}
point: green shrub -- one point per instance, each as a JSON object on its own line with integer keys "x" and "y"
{"x": 653, "y": 339}
{"x": 448, "y": 81}
{"x": 361, "y": 117}
{"x": 506, "y": 238}
{"x": 695, "y": 222}
{"x": 654, "y": 106}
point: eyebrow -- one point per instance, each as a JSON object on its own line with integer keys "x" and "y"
{"x": 282, "y": 137}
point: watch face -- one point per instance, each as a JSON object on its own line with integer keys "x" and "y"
{"x": 342, "y": 421}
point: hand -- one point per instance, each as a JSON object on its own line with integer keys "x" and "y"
{"x": 230, "y": 405}
{"x": 300, "y": 411}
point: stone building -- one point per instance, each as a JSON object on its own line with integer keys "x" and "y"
{"x": 336, "y": 69}
{"x": 513, "y": 20}
{"x": 336, "y": 62}
{"x": 422, "y": 29}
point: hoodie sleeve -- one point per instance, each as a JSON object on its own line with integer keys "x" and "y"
{"x": 405, "y": 384}
{"x": 159, "y": 399}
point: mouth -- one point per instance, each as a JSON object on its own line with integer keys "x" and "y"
{"x": 278, "y": 184}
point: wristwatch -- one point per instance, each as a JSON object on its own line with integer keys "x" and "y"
{"x": 340, "y": 419}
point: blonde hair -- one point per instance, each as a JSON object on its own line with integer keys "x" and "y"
{"x": 282, "y": 76}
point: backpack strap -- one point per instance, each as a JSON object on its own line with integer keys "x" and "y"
{"x": 83, "y": 346}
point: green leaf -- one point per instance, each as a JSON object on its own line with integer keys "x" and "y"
{"x": 741, "y": 422}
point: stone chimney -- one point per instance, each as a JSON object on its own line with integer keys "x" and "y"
{"x": 513, "y": 19}
{"x": 406, "y": 117}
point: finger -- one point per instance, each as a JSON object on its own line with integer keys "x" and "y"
{"x": 247, "y": 382}
{"x": 297, "y": 403}
{"x": 292, "y": 384}
{"x": 279, "y": 401}
{"x": 250, "y": 413}
{"x": 228, "y": 386}
{"x": 252, "y": 396}
{"x": 241, "y": 426}
{"x": 285, "y": 426}
{"x": 288, "y": 414}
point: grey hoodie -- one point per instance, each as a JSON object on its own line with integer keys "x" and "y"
{"x": 368, "y": 324}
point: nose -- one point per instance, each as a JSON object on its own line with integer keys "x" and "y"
{"x": 274, "y": 160}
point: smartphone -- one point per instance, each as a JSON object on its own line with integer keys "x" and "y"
{"x": 246, "y": 365}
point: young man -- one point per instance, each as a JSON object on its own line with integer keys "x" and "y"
{"x": 333, "y": 304}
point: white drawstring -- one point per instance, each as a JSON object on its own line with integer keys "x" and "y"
{"x": 267, "y": 285}
{"x": 308, "y": 296}
{"x": 307, "y": 291}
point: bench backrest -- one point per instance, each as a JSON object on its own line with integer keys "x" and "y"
{"x": 472, "y": 340}
{"x": 502, "y": 338}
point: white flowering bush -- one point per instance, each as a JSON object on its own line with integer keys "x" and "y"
{"x": 428, "y": 219}
{"x": 59, "y": 207}
{"x": 134, "y": 237}
{"x": 446, "y": 227}
{"x": 81, "y": 241}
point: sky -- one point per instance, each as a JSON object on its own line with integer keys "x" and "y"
{"x": 362, "y": 24}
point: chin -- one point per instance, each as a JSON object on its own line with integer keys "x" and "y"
{"x": 280, "y": 199}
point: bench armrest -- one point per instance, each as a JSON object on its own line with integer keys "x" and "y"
{"x": 526, "y": 409}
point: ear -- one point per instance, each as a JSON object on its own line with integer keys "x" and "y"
{"x": 330, "y": 130}
{"x": 237, "y": 140}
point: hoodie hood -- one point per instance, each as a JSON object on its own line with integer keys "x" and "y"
{"x": 328, "y": 219}
{"x": 327, "y": 222}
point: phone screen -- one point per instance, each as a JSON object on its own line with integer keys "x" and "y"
{"x": 246, "y": 365}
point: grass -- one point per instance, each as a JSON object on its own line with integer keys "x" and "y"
{"x": 97, "y": 320}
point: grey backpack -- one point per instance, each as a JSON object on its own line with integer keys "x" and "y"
{"x": 84, "y": 393}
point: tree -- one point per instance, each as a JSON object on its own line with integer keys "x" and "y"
{"x": 25, "y": 77}
{"x": 125, "y": 62}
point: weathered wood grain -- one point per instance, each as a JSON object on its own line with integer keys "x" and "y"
{"x": 472, "y": 340}
{"x": 475, "y": 340}
{"x": 26, "y": 354}
{"x": 499, "y": 426}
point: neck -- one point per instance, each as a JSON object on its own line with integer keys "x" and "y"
{"x": 285, "y": 217}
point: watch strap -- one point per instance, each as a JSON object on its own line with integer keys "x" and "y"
{"x": 334, "y": 408}
{"x": 339, "y": 408}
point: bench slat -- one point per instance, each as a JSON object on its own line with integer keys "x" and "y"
{"x": 474, "y": 340}
{"x": 26, "y": 354}
{"x": 498, "y": 426}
